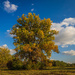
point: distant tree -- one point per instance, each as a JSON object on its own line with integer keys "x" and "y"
{"x": 59, "y": 63}
{"x": 34, "y": 38}
{"x": 5, "y": 56}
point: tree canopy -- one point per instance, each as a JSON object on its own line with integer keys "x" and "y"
{"x": 33, "y": 38}
{"x": 4, "y": 56}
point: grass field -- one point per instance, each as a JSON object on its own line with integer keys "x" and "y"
{"x": 53, "y": 71}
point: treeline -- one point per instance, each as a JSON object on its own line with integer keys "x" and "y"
{"x": 58, "y": 63}
{"x": 29, "y": 65}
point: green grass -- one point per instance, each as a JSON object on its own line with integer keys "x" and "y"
{"x": 53, "y": 71}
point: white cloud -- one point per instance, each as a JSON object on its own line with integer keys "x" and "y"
{"x": 8, "y": 30}
{"x": 32, "y": 9}
{"x": 69, "y": 21}
{"x": 71, "y": 52}
{"x": 32, "y": 4}
{"x": 5, "y": 45}
{"x": 52, "y": 59}
{"x": 66, "y": 35}
{"x": 12, "y": 51}
{"x": 9, "y": 7}
{"x": 8, "y": 33}
{"x": 69, "y": 62}
{"x": 66, "y": 22}
{"x": 64, "y": 46}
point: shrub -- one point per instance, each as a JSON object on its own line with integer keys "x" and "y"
{"x": 15, "y": 64}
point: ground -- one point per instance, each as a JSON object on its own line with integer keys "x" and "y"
{"x": 52, "y": 71}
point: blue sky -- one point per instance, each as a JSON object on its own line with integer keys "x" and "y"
{"x": 61, "y": 12}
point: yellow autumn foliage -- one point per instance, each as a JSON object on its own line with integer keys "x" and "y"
{"x": 34, "y": 37}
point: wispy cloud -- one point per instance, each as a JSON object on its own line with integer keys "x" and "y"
{"x": 8, "y": 33}
{"x": 32, "y": 9}
{"x": 66, "y": 34}
{"x": 8, "y": 30}
{"x": 10, "y": 8}
{"x": 5, "y": 45}
{"x": 32, "y": 4}
{"x": 71, "y": 52}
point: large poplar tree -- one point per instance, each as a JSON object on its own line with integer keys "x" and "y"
{"x": 33, "y": 38}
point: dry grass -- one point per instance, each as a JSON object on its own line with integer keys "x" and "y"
{"x": 38, "y": 72}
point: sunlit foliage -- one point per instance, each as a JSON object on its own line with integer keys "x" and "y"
{"x": 4, "y": 56}
{"x": 34, "y": 38}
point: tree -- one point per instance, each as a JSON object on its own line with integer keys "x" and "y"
{"x": 33, "y": 38}
{"x": 59, "y": 63}
{"x": 4, "y": 56}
